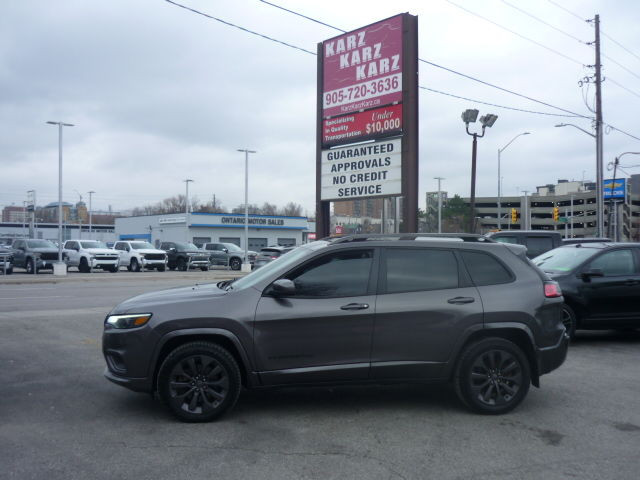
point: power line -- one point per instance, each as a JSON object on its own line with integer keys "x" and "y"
{"x": 620, "y": 65}
{"x": 621, "y": 131}
{"x": 535, "y": 42}
{"x": 304, "y": 16}
{"x": 494, "y": 104}
{"x": 611, "y": 80}
{"x": 567, "y": 10}
{"x": 619, "y": 44}
{"x": 544, "y": 22}
{"x": 238, "y": 27}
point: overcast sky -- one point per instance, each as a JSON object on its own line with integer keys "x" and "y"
{"x": 159, "y": 94}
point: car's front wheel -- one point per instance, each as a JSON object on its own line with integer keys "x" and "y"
{"x": 492, "y": 376}
{"x": 235, "y": 263}
{"x": 199, "y": 381}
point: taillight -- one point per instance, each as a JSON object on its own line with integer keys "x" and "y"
{"x": 552, "y": 290}
{"x": 273, "y": 258}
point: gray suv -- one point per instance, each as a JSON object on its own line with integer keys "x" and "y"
{"x": 358, "y": 309}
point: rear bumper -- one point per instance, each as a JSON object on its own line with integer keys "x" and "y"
{"x": 550, "y": 358}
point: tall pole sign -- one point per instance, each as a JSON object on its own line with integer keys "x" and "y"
{"x": 367, "y": 118}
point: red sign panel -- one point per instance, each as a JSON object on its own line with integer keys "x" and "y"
{"x": 363, "y": 69}
{"x": 376, "y": 123}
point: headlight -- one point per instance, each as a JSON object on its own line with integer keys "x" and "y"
{"x": 128, "y": 321}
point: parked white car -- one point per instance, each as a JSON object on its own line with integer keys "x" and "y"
{"x": 136, "y": 255}
{"x": 89, "y": 254}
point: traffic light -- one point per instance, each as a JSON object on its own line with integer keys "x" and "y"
{"x": 514, "y": 215}
{"x": 556, "y": 214}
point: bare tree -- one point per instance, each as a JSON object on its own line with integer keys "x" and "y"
{"x": 253, "y": 209}
{"x": 292, "y": 209}
{"x": 269, "y": 209}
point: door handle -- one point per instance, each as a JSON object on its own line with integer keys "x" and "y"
{"x": 355, "y": 306}
{"x": 461, "y": 300}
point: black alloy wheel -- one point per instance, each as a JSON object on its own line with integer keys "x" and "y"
{"x": 493, "y": 376}
{"x": 182, "y": 264}
{"x": 569, "y": 320}
{"x": 199, "y": 381}
{"x": 83, "y": 267}
{"x": 235, "y": 263}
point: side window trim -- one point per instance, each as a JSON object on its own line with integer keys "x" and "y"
{"x": 633, "y": 257}
{"x": 496, "y": 258}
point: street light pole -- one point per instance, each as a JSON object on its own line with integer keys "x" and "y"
{"x": 500, "y": 150}
{"x": 61, "y": 270}
{"x": 90, "y": 215}
{"x": 527, "y": 220}
{"x": 469, "y": 116}
{"x": 245, "y": 265}
{"x": 439, "y": 204}
{"x": 186, "y": 208}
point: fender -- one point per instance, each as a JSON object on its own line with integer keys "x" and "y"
{"x": 248, "y": 365}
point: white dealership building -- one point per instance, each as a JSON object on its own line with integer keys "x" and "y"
{"x": 199, "y": 228}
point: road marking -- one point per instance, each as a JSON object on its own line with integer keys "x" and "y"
{"x": 26, "y": 298}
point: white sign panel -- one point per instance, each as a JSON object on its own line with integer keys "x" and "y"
{"x": 369, "y": 170}
{"x": 169, "y": 220}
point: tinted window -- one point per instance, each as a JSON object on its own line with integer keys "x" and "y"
{"x": 120, "y": 246}
{"x": 40, "y": 244}
{"x": 165, "y": 246}
{"x": 340, "y": 274}
{"x": 70, "y": 245}
{"x": 485, "y": 269}
{"x": 505, "y": 239}
{"x": 538, "y": 245}
{"x": 617, "y": 262}
{"x": 412, "y": 269}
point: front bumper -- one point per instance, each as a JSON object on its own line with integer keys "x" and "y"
{"x": 550, "y": 358}
{"x": 153, "y": 263}
{"x": 136, "y": 384}
{"x": 97, "y": 262}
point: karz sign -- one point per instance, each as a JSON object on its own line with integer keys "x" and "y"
{"x": 368, "y": 170}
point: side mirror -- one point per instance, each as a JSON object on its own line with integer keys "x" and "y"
{"x": 592, "y": 272}
{"x": 128, "y": 249}
{"x": 172, "y": 249}
{"x": 225, "y": 250}
{"x": 282, "y": 287}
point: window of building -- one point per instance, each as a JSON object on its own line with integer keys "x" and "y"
{"x": 413, "y": 269}
{"x": 234, "y": 240}
{"x": 199, "y": 241}
{"x": 287, "y": 242}
{"x": 257, "y": 243}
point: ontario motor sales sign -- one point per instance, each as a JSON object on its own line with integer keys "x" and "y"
{"x": 365, "y": 170}
{"x": 363, "y": 69}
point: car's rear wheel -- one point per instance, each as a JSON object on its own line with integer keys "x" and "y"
{"x": 113, "y": 268}
{"x": 204, "y": 269}
{"x": 569, "y": 320}
{"x": 235, "y": 263}
{"x": 492, "y": 376}
{"x": 161, "y": 268}
{"x": 199, "y": 381}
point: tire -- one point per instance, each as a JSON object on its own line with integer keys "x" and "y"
{"x": 204, "y": 269}
{"x": 114, "y": 269}
{"x": 199, "y": 381}
{"x": 9, "y": 271}
{"x": 235, "y": 263}
{"x": 29, "y": 266}
{"x": 182, "y": 264}
{"x": 569, "y": 320}
{"x": 172, "y": 267}
{"x": 83, "y": 266}
{"x": 493, "y": 376}
{"x": 162, "y": 268}
{"x": 134, "y": 266}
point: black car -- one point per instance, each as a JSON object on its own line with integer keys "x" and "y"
{"x": 600, "y": 283}
{"x": 359, "y": 309}
{"x": 536, "y": 241}
{"x": 269, "y": 254}
{"x": 185, "y": 255}
{"x": 33, "y": 254}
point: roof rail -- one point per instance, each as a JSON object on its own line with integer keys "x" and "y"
{"x": 444, "y": 237}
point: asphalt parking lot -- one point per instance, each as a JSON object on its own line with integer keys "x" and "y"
{"x": 59, "y": 418}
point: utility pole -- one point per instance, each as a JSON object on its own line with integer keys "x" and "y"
{"x": 186, "y": 208}
{"x": 599, "y": 136}
{"x": 90, "y": 215}
{"x": 246, "y": 266}
{"x": 439, "y": 204}
{"x": 526, "y": 211}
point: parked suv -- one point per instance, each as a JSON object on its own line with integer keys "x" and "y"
{"x": 136, "y": 255}
{"x": 536, "y": 241}
{"x": 30, "y": 254}
{"x": 269, "y": 254}
{"x": 355, "y": 309}
{"x": 88, "y": 254}
{"x": 185, "y": 255}
{"x": 600, "y": 283}
{"x": 228, "y": 254}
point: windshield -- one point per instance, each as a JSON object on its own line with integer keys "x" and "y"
{"x": 564, "y": 259}
{"x": 141, "y": 245}
{"x": 280, "y": 264}
{"x": 40, "y": 244}
{"x": 93, "y": 244}
{"x": 182, "y": 246}
{"x": 233, "y": 247}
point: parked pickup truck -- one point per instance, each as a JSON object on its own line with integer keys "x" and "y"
{"x": 30, "y": 254}
{"x": 185, "y": 255}
{"x": 136, "y": 255}
{"x": 89, "y": 254}
{"x": 536, "y": 241}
